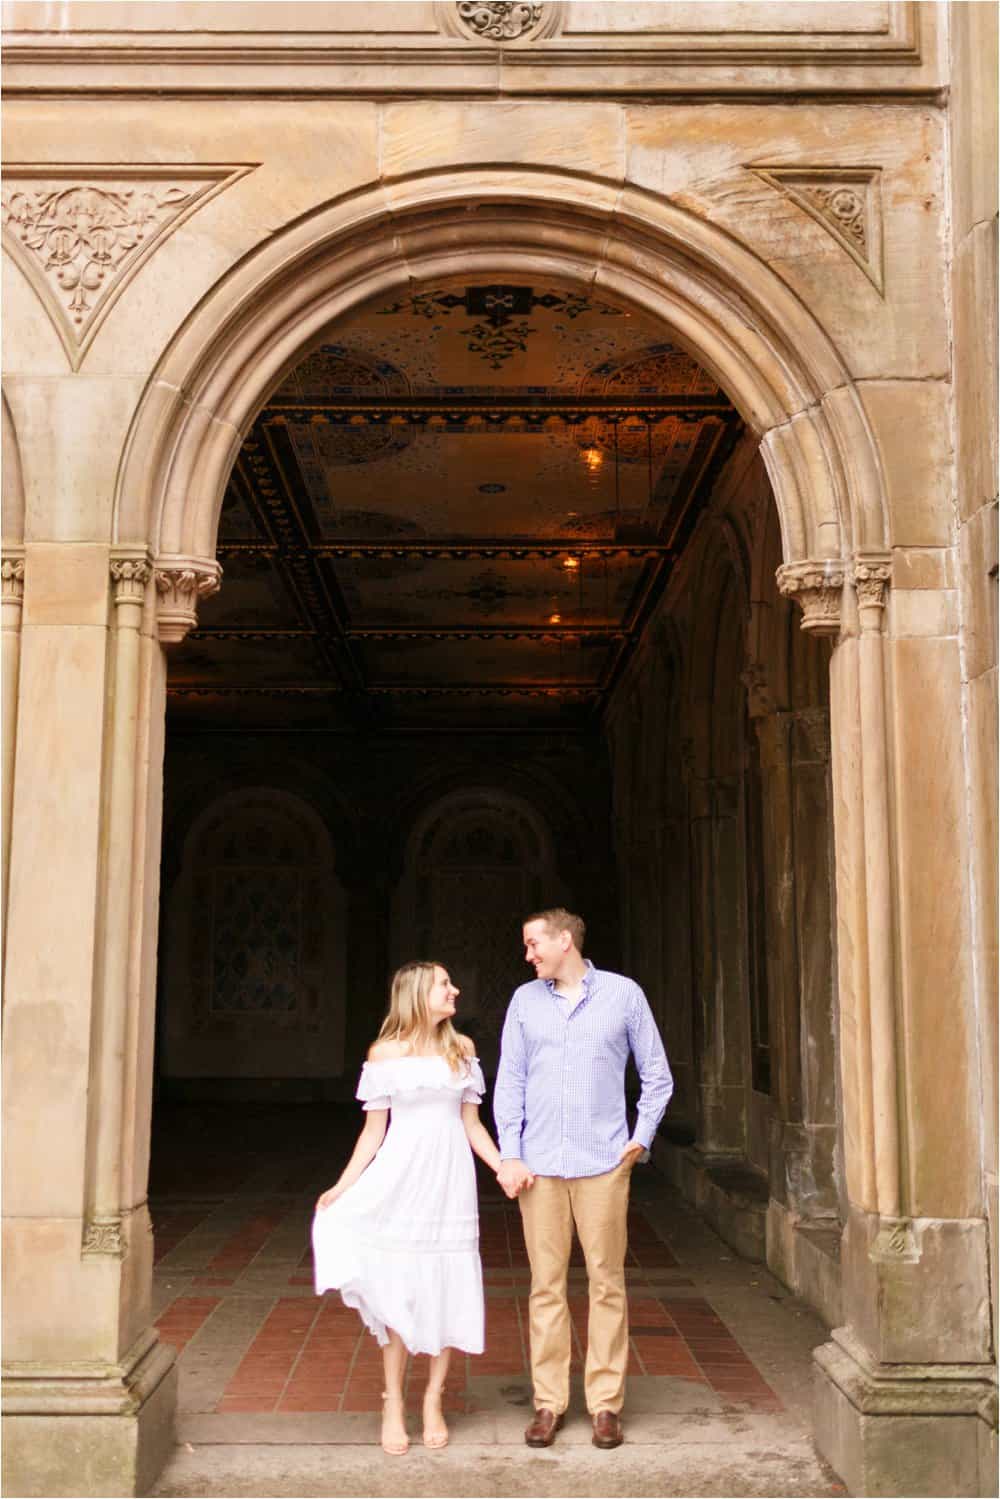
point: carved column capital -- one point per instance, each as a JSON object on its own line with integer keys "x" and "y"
{"x": 817, "y": 588}
{"x": 103, "y": 1235}
{"x": 129, "y": 576}
{"x": 12, "y": 573}
{"x": 871, "y": 578}
{"x": 180, "y": 583}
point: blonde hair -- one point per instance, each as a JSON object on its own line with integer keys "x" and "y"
{"x": 558, "y": 919}
{"x": 408, "y": 1014}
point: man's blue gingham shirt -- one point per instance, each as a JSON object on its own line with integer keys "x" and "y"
{"x": 559, "y": 1099}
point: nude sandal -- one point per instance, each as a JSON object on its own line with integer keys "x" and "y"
{"x": 436, "y": 1442}
{"x": 394, "y": 1450}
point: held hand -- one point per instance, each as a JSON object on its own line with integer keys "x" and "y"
{"x": 631, "y": 1153}
{"x": 514, "y": 1176}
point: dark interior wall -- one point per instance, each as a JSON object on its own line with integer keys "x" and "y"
{"x": 719, "y": 746}
{"x": 402, "y": 815}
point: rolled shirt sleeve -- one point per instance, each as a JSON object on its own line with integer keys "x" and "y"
{"x": 508, "y": 1091}
{"x": 652, "y": 1067}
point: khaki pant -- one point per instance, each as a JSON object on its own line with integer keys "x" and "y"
{"x": 598, "y": 1205}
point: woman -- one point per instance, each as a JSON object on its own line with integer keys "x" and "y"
{"x": 398, "y": 1234}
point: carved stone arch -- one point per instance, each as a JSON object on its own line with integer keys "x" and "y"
{"x": 719, "y": 301}
{"x": 555, "y": 807}
{"x": 254, "y": 944}
{"x": 12, "y": 479}
{"x": 12, "y": 568}
{"x": 477, "y": 861}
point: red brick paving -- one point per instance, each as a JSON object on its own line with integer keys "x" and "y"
{"x": 184, "y": 1317}
{"x": 314, "y": 1355}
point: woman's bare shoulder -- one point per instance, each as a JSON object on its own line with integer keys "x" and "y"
{"x": 384, "y": 1051}
{"x": 468, "y": 1046}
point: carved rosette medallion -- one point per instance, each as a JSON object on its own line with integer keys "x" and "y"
{"x": 817, "y": 588}
{"x": 846, "y": 201}
{"x": 181, "y": 582}
{"x": 12, "y": 572}
{"x": 129, "y": 575}
{"x": 80, "y": 233}
{"x": 498, "y": 22}
{"x": 103, "y": 1236}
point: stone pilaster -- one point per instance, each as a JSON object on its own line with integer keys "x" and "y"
{"x": 904, "y": 1392}
{"x": 12, "y": 570}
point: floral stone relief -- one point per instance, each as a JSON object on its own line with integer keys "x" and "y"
{"x": 846, "y": 201}
{"x": 79, "y": 235}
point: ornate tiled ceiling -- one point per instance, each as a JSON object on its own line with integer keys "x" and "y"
{"x": 457, "y": 511}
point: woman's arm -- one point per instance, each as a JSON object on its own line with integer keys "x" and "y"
{"x": 369, "y": 1140}
{"x": 479, "y": 1136}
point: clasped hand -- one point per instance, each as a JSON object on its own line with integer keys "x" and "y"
{"x": 514, "y": 1177}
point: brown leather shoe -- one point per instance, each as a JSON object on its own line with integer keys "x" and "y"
{"x": 607, "y": 1429}
{"x": 542, "y": 1430}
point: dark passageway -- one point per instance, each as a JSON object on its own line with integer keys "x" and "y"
{"x": 499, "y": 629}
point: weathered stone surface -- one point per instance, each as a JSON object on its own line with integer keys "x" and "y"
{"x": 832, "y": 265}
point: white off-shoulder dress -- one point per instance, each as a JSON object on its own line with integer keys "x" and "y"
{"x": 402, "y": 1244}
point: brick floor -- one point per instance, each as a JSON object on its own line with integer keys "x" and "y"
{"x": 262, "y": 1343}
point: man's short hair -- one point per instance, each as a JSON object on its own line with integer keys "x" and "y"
{"x": 558, "y": 919}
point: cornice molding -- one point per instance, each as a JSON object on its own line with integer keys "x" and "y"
{"x": 459, "y": 57}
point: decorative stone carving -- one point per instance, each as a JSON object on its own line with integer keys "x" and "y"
{"x": 817, "y": 588}
{"x": 896, "y": 1240}
{"x": 130, "y": 576}
{"x": 846, "y": 201}
{"x": 12, "y": 573}
{"x": 104, "y": 1236}
{"x": 754, "y": 679}
{"x": 80, "y": 233}
{"x": 871, "y": 579}
{"x": 180, "y": 583}
{"x": 499, "y": 22}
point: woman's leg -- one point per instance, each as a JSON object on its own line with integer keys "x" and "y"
{"x": 394, "y": 1438}
{"x": 435, "y": 1429}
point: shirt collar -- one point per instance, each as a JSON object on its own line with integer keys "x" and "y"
{"x": 586, "y": 983}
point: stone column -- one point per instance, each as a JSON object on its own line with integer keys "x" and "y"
{"x": 892, "y": 1415}
{"x": 13, "y": 594}
{"x": 89, "y": 1392}
{"x": 803, "y": 1230}
{"x": 88, "y": 1395}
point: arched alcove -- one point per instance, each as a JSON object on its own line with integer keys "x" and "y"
{"x": 253, "y": 951}
{"x": 475, "y": 861}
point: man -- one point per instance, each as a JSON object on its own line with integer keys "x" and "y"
{"x": 559, "y": 1104}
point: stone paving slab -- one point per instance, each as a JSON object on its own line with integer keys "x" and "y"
{"x": 715, "y": 1467}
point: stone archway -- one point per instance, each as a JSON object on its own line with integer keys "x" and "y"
{"x": 733, "y": 314}
{"x": 782, "y": 371}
